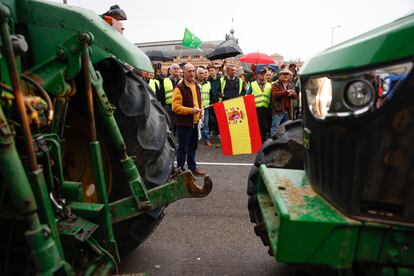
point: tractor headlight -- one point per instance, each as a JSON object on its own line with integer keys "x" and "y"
{"x": 359, "y": 93}
{"x": 346, "y": 95}
{"x": 319, "y": 94}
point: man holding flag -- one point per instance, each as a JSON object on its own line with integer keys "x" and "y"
{"x": 188, "y": 110}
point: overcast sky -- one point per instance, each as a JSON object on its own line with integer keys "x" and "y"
{"x": 294, "y": 29}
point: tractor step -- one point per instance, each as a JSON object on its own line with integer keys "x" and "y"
{"x": 85, "y": 209}
{"x": 80, "y": 228}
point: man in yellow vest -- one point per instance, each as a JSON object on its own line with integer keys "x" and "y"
{"x": 230, "y": 85}
{"x": 167, "y": 88}
{"x": 205, "y": 88}
{"x": 152, "y": 83}
{"x": 214, "y": 80}
{"x": 261, "y": 89}
{"x": 152, "y": 77}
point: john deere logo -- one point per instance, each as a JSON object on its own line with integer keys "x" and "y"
{"x": 234, "y": 115}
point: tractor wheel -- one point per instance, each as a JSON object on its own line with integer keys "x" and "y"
{"x": 143, "y": 123}
{"x": 284, "y": 150}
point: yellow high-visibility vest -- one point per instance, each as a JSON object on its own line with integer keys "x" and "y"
{"x": 205, "y": 89}
{"x": 261, "y": 97}
{"x": 152, "y": 84}
{"x": 157, "y": 82}
{"x": 223, "y": 85}
{"x": 168, "y": 88}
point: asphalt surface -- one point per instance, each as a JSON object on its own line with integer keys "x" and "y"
{"x": 207, "y": 236}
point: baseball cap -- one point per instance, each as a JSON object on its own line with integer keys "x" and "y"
{"x": 285, "y": 71}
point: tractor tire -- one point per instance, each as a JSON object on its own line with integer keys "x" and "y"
{"x": 283, "y": 150}
{"x": 143, "y": 123}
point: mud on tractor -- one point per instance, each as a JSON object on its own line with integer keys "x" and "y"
{"x": 85, "y": 150}
{"x": 334, "y": 192}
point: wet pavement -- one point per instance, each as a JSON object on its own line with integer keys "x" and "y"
{"x": 211, "y": 235}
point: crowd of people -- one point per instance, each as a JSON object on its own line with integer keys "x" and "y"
{"x": 188, "y": 93}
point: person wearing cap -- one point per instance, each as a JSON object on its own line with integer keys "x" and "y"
{"x": 158, "y": 75}
{"x": 188, "y": 108}
{"x": 282, "y": 93}
{"x": 261, "y": 89}
{"x": 167, "y": 88}
{"x": 230, "y": 85}
{"x": 205, "y": 88}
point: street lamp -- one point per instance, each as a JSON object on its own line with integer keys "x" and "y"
{"x": 332, "y": 33}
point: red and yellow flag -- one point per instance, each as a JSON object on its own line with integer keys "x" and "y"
{"x": 237, "y": 121}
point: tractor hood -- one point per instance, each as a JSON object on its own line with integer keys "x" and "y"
{"x": 388, "y": 43}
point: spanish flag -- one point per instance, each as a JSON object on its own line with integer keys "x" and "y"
{"x": 237, "y": 121}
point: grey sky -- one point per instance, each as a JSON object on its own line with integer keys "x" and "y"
{"x": 294, "y": 29}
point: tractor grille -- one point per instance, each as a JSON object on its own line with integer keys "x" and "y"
{"x": 365, "y": 170}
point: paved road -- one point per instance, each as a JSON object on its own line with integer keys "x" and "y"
{"x": 208, "y": 236}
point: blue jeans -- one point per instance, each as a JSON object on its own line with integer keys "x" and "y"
{"x": 277, "y": 120}
{"x": 187, "y": 146}
{"x": 205, "y": 133}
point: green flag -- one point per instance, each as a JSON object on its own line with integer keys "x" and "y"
{"x": 190, "y": 40}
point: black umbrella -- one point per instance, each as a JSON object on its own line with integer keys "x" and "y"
{"x": 226, "y": 49}
{"x": 157, "y": 55}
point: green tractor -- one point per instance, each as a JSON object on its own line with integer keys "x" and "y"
{"x": 86, "y": 155}
{"x": 333, "y": 193}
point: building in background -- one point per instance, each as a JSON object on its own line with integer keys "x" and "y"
{"x": 278, "y": 58}
{"x": 183, "y": 55}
